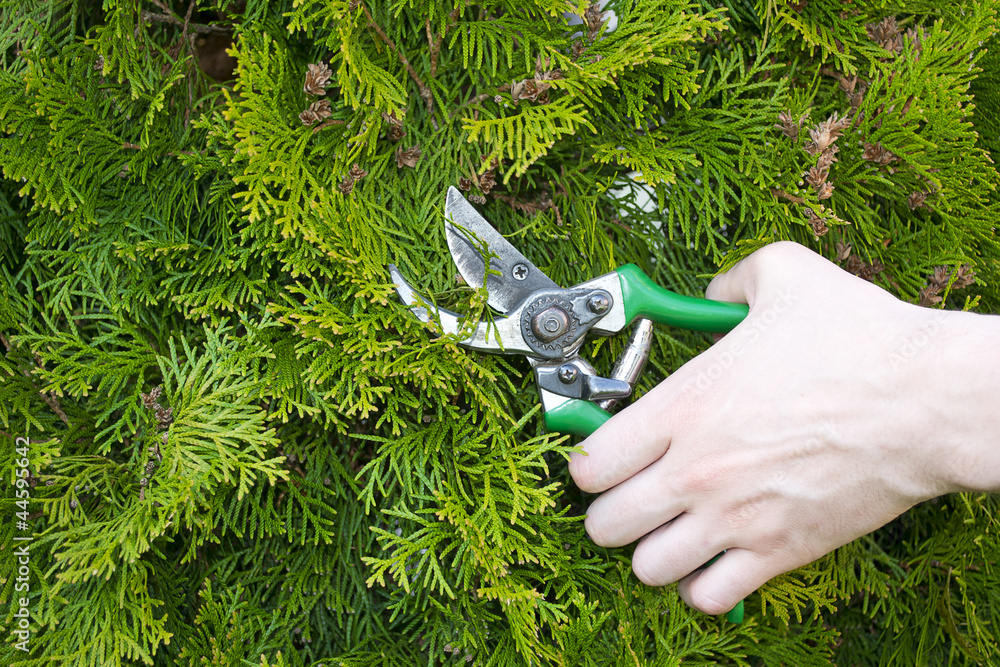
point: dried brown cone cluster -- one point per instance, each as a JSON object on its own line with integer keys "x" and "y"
{"x": 536, "y": 89}
{"x": 887, "y": 34}
{"x": 488, "y": 180}
{"x": 150, "y": 401}
{"x": 317, "y": 76}
{"x": 594, "y": 19}
{"x": 485, "y": 182}
{"x": 316, "y": 112}
{"x": 855, "y": 89}
{"x": 407, "y": 158}
{"x": 964, "y": 276}
{"x": 532, "y": 90}
{"x": 396, "y": 131}
{"x": 822, "y": 146}
{"x": 827, "y": 132}
{"x": 917, "y": 199}
{"x": 817, "y": 223}
{"x": 878, "y": 154}
{"x": 817, "y": 178}
{"x": 788, "y": 125}
{"x": 854, "y": 264}
{"x": 355, "y": 174}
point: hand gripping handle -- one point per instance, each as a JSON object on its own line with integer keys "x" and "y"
{"x": 644, "y": 298}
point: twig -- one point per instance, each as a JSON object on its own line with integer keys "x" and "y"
{"x": 187, "y": 19}
{"x": 49, "y": 400}
{"x": 328, "y": 123}
{"x": 425, "y": 92}
{"x": 435, "y": 44}
{"x": 479, "y": 98}
{"x": 784, "y": 195}
{"x": 189, "y": 40}
{"x": 176, "y": 20}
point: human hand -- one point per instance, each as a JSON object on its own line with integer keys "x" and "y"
{"x": 833, "y": 408}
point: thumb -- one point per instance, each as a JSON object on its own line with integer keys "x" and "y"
{"x": 738, "y": 284}
{"x": 741, "y": 284}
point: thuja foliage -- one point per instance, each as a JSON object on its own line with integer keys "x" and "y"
{"x": 243, "y": 450}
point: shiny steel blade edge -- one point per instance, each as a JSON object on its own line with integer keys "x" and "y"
{"x": 511, "y": 278}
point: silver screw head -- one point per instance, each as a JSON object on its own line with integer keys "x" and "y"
{"x": 519, "y": 271}
{"x": 598, "y": 304}
{"x": 567, "y": 374}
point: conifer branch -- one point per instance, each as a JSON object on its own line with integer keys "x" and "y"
{"x": 482, "y": 97}
{"x": 319, "y": 438}
{"x": 425, "y": 92}
{"x": 435, "y": 44}
{"x": 173, "y": 19}
{"x": 50, "y": 401}
{"x": 784, "y": 195}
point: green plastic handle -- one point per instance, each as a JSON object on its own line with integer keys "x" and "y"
{"x": 576, "y": 417}
{"x": 644, "y": 298}
{"x": 734, "y": 615}
{"x": 583, "y": 418}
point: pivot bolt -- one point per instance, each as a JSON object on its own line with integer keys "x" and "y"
{"x": 567, "y": 374}
{"x": 550, "y": 324}
{"x": 598, "y": 304}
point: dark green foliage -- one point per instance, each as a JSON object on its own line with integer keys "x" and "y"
{"x": 322, "y": 480}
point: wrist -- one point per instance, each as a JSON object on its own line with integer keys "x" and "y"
{"x": 958, "y": 383}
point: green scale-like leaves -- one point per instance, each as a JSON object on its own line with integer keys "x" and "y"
{"x": 244, "y": 451}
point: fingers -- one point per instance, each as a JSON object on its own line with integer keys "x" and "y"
{"x": 719, "y": 587}
{"x": 675, "y": 550}
{"x": 628, "y": 511}
{"x": 624, "y": 445}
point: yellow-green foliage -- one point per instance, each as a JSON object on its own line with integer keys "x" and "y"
{"x": 320, "y": 479}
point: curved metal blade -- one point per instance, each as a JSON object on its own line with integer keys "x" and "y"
{"x": 512, "y": 277}
{"x": 503, "y": 335}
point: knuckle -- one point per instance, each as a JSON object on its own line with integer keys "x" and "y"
{"x": 771, "y": 537}
{"x": 737, "y": 518}
{"x": 696, "y": 478}
{"x": 775, "y": 256}
{"x": 781, "y": 249}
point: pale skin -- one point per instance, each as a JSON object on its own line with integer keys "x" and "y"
{"x": 832, "y": 409}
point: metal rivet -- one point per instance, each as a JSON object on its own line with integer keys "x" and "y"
{"x": 567, "y": 374}
{"x": 598, "y": 304}
{"x": 520, "y": 271}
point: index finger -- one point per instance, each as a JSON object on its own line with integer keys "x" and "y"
{"x": 625, "y": 444}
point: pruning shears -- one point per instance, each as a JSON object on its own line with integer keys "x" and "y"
{"x": 548, "y": 324}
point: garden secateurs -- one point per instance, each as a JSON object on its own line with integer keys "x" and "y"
{"x": 548, "y": 324}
